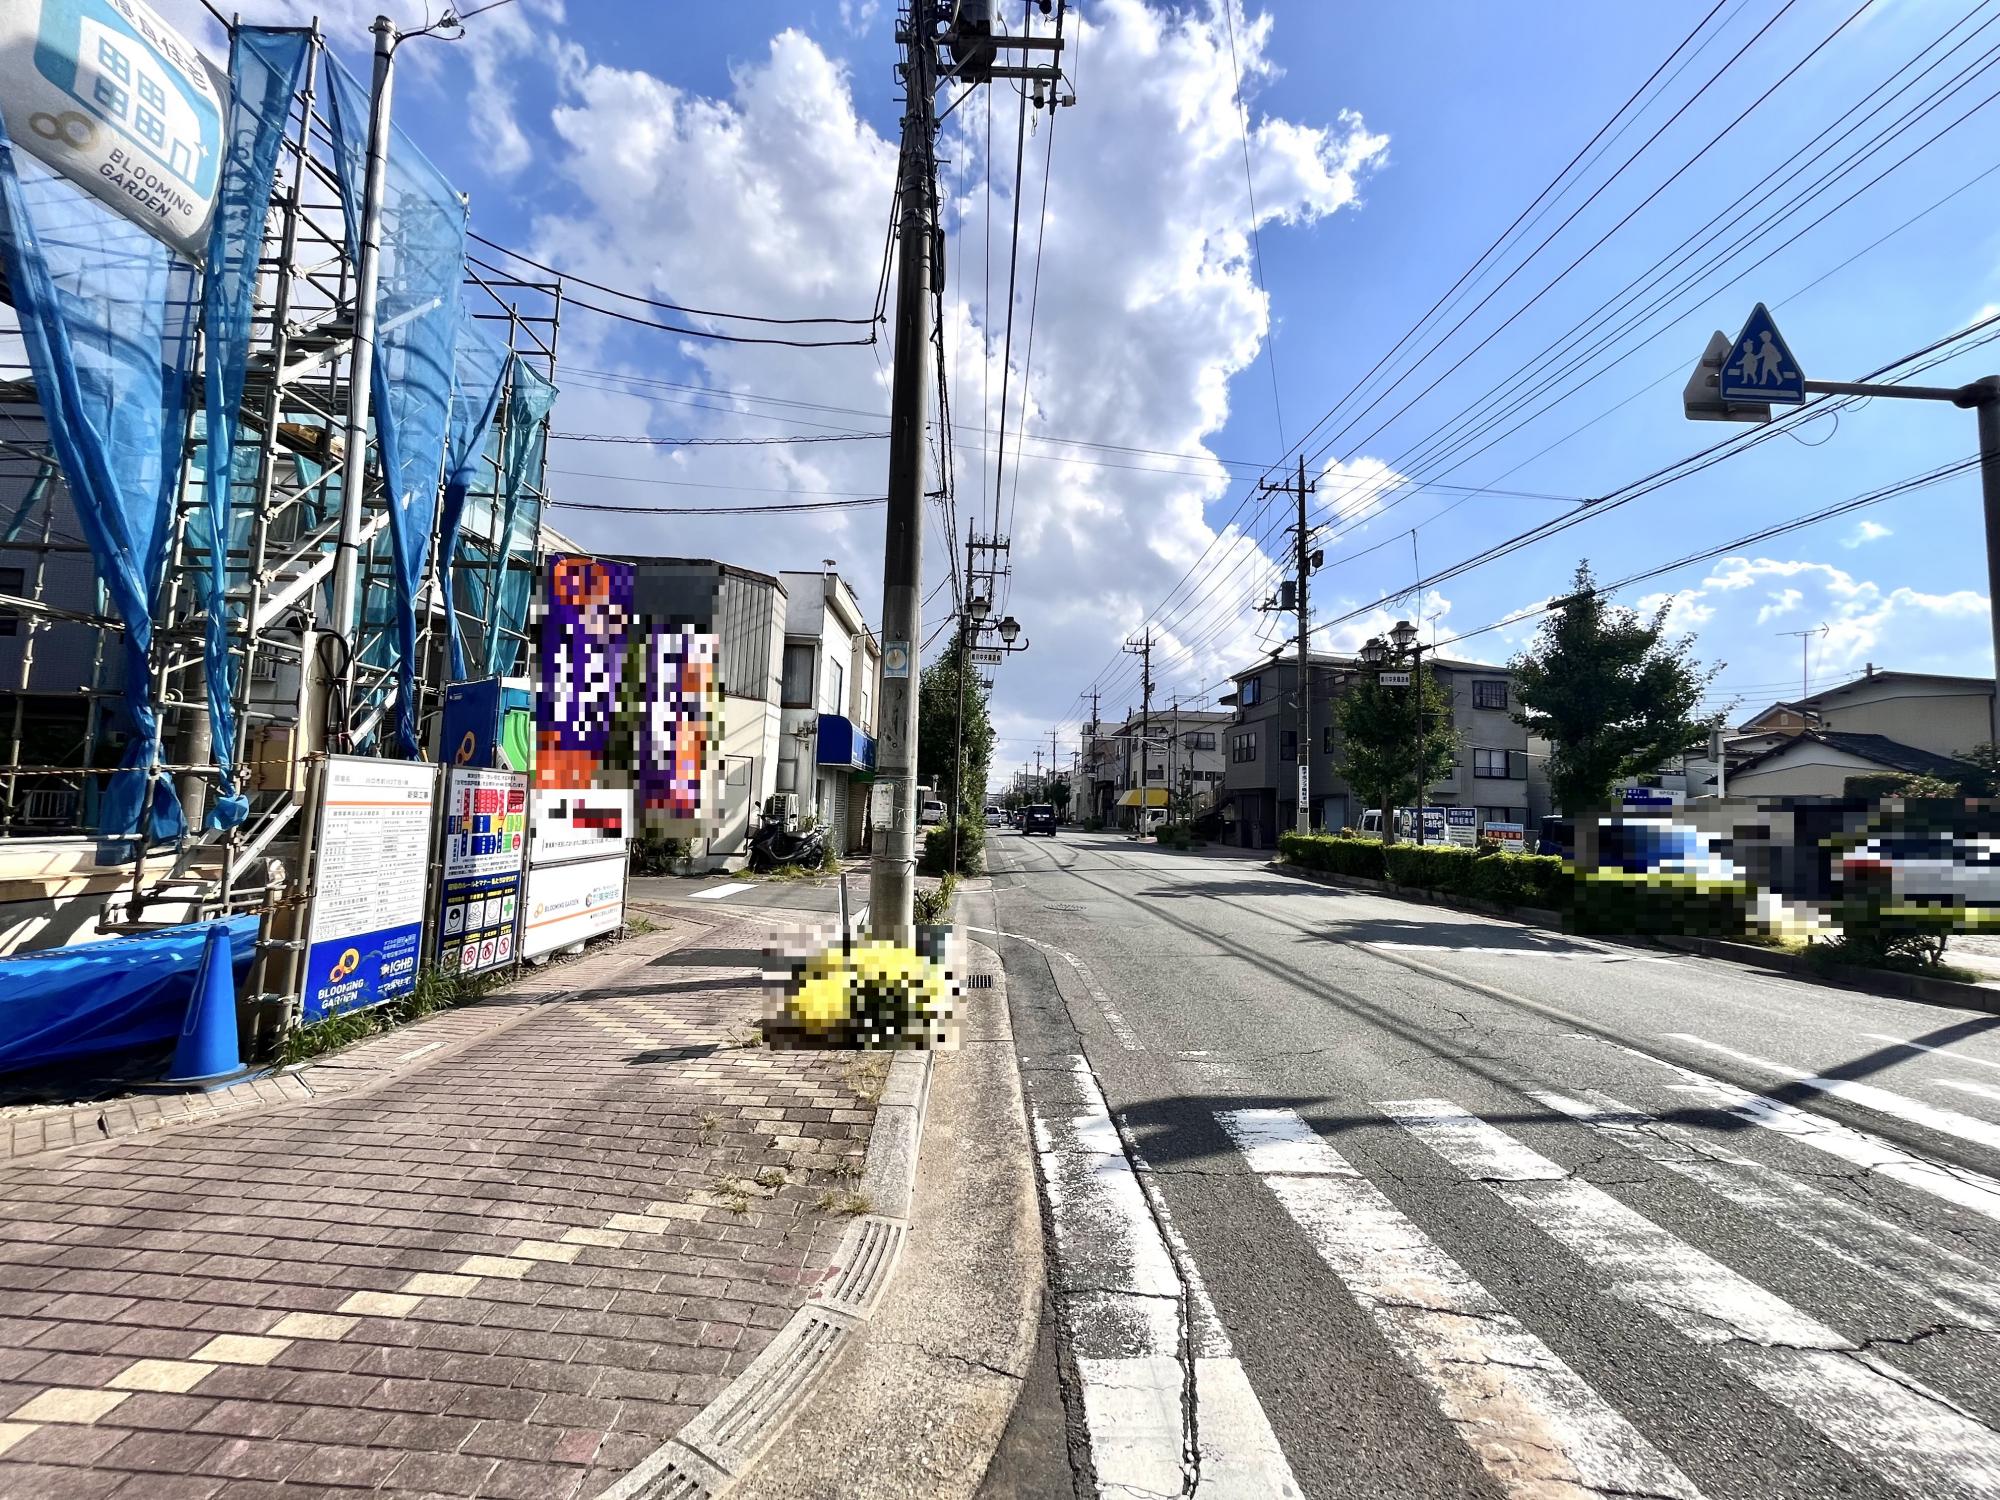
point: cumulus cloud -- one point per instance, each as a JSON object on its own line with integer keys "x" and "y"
{"x": 1865, "y": 532}
{"x": 1783, "y": 602}
{"x": 1685, "y": 610}
{"x": 1864, "y": 619}
{"x": 774, "y": 196}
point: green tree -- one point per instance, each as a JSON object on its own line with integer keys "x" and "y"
{"x": 1059, "y": 796}
{"x": 937, "y": 731}
{"x": 1378, "y": 731}
{"x": 1610, "y": 692}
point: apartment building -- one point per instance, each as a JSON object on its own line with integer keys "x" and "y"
{"x": 831, "y": 666}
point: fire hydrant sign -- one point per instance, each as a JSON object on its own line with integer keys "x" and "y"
{"x": 485, "y": 838}
{"x": 367, "y": 927}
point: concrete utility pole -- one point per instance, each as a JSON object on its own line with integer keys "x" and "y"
{"x": 892, "y": 876}
{"x": 1304, "y": 561}
{"x": 1143, "y": 649}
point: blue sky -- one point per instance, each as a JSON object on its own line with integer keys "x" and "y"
{"x": 695, "y": 151}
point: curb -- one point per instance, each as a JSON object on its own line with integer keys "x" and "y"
{"x": 718, "y": 1447}
{"x": 1920, "y": 988}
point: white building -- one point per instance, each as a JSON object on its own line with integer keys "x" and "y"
{"x": 831, "y": 665}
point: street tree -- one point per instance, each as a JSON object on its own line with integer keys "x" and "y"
{"x": 1059, "y": 796}
{"x": 938, "y": 699}
{"x": 1611, "y": 691}
{"x": 1379, "y": 741}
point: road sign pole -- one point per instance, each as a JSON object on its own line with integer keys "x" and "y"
{"x": 1989, "y": 483}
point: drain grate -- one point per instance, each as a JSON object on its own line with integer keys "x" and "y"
{"x": 979, "y": 981}
{"x": 1061, "y": 906}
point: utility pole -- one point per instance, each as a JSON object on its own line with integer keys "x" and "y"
{"x": 1305, "y": 559}
{"x": 1091, "y": 758}
{"x": 1143, "y": 649}
{"x": 892, "y": 877}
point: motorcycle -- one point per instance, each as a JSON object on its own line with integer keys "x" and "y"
{"x": 774, "y": 846}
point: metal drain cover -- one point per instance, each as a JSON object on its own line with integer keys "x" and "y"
{"x": 1062, "y": 906}
{"x": 979, "y": 981}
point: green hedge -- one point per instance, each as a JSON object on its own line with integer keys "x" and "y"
{"x": 1335, "y": 856}
{"x": 1613, "y": 901}
{"x": 937, "y": 849}
{"x": 1481, "y": 874}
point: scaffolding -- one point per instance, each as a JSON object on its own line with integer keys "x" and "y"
{"x": 57, "y": 674}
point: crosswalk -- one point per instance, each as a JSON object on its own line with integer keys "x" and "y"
{"x": 1171, "y": 1409}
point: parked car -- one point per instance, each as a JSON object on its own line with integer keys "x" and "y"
{"x": 1656, "y": 846}
{"x": 932, "y": 813}
{"x": 1556, "y": 836}
{"x": 1040, "y": 818}
{"x": 1929, "y": 869}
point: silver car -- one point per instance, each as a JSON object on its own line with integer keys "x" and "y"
{"x": 1943, "y": 869}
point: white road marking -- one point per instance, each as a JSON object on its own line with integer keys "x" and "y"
{"x": 1533, "y": 1423}
{"x": 1592, "y": 954}
{"x": 1867, "y": 1095}
{"x": 1980, "y": 1090}
{"x": 1127, "y": 1037}
{"x": 1859, "y": 1402}
{"x": 1878, "y": 1036}
{"x": 1958, "y": 1185}
{"x": 1902, "y": 1257}
{"x": 1120, "y": 1292}
{"x": 717, "y": 892}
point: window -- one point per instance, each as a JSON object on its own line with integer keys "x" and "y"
{"x": 1489, "y": 694}
{"x": 1502, "y": 815}
{"x": 1326, "y": 740}
{"x": 1288, "y": 744}
{"x": 1243, "y": 747}
{"x": 1156, "y": 773}
{"x": 836, "y": 698}
{"x": 12, "y": 581}
{"x": 1200, "y": 739}
{"x": 798, "y": 692}
{"x": 1499, "y": 765}
{"x": 1252, "y": 692}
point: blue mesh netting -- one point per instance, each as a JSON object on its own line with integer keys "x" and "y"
{"x": 475, "y": 402}
{"x": 529, "y": 397}
{"x": 422, "y": 261}
{"x": 107, "y": 313}
{"x": 264, "y": 68}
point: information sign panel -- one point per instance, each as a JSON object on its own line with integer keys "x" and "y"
{"x": 568, "y": 903}
{"x": 366, "y": 929}
{"x": 485, "y": 837}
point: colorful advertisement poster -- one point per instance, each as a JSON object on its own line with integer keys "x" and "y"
{"x": 568, "y": 903}
{"x": 485, "y": 840}
{"x": 365, "y": 934}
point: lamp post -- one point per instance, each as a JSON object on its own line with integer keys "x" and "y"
{"x": 1374, "y": 652}
{"x": 1405, "y": 636}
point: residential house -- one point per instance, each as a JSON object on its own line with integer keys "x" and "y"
{"x": 831, "y": 666}
{"x": 1260, "y": 782}
{"x": 1174, "y": 753}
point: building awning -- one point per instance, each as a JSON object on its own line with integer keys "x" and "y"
{"x": 1156, "y": 796}
{"x": 843, "y": 745}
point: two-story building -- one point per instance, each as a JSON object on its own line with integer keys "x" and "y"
{"x": 831, "y": 665}
{"x": 1169, "y": 760}
{"x": 1914, "y": 723}
{"x": 1261, "y": 747}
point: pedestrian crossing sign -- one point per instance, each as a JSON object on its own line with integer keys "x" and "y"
{"x": 1760, "y": 366}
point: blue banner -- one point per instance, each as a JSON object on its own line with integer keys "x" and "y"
{"x": 480, "y": 376}
{"x": 264, "y": 67}
{"x": 422, "y": 238}
{"x": 107, "y": 313}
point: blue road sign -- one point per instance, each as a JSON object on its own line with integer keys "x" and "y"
{"x": 1760, "y": 366}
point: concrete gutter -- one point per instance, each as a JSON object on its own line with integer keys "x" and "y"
{"x": 896, "y": 1389}
{"x": 1922, "y": 988}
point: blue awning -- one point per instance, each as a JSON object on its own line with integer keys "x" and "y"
{"x": 842, "y": 744}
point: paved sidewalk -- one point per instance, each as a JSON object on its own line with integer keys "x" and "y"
{"x": 509, "y": 1266}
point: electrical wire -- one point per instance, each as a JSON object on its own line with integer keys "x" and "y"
{"x": 1250, "y": 188}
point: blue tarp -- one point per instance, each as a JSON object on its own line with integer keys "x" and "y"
{"x": 417, "y": 315}
{"x": 62, "y": 1005}
{"x": 529, "y": 397}
{"x": 475, "y": 401}
{"x": 107, "y": 313}
{"x": 264, "y": 69}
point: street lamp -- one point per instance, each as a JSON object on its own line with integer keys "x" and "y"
{"x": 1373, "y": 651}
{"x": 978, "y": 608}
{"x": 1403, "y": 635}
{"x": 1009, "y": 628}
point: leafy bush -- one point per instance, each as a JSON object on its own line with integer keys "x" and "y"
{"x": 937, "y": 849}
{"x": 1093, "y": 825}
{"x": 653, "y": 853}
{"x": 932, "y": 906}
{"x": 1335, "y": 856}
{"x": 1668, "y": 905}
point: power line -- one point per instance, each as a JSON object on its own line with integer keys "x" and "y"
{"x": 719, "y": 510}
{"x": 717, "y": 442}
{"x": 1249, "y": 187}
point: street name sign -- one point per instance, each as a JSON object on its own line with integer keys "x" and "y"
{"x": 1395, "y": 679}
{"x": 1760, "y": 366}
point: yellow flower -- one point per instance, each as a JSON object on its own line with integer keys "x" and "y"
{"x": 823, "y": 1003}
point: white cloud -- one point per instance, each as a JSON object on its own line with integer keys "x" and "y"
{"x": 1783, "y": 602}
{"x": 1685, "y": 611}
{"x": 1865, "y": 532}
{"x": 775, "y": 197}
{"x": 856, "y": 16}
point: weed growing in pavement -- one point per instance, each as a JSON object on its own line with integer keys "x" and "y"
{"x": 867, "y": 1076}
{"x": 639, "y": 926}
{"x": 849, "y": 1166}
{"x": 845, "y": 1201}
{"x": 710, "y": 1124}
{"x": 436, "y": 989}
{"x": 773, "y": 1178}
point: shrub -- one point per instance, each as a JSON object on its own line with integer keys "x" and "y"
{"x": 937, "y": 850}
{"x": 1670, "y": 905}
{"x": 1335, "y": 856}
{"x": 653, "y": 853}
{"x": 1093, "y": 825}
{"x": 932, "y": 906}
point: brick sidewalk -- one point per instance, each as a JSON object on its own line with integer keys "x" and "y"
{"x": 509, "y": 1270}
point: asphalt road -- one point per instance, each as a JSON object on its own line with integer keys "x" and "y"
{"x": 1352, "y": 1196}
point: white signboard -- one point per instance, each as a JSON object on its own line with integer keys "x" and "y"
{"x": 365, "y": 935}
{"x": 1512, "y": 837}
{"x": 568, "y": 903}
{"x": 1394, "y": 679}
{"x": 116, "y": 100}
{"x": 1305, "y": 785}
{"x": 578, "y": 825}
